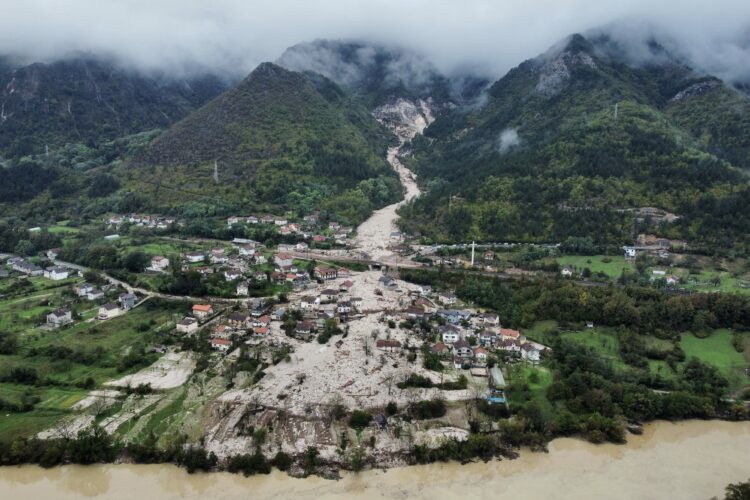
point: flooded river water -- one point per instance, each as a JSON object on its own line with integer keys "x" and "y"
{"x": 690, "y": 460}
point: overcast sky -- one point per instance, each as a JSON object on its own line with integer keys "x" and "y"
{"x": 237, "y": 34}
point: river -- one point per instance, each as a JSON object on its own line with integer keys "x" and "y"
{"x": 688, "y": 460}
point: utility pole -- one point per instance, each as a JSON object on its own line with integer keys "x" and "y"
{"x": 473, "y": 246}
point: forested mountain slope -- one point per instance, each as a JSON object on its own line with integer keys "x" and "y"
{"x": 571, "y": 142}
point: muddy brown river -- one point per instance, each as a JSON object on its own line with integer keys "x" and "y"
{"x": 690, "y": 460}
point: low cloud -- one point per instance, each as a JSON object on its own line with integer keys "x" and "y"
{"x": 236, "y": 35}
{"x": 508, "y": 139}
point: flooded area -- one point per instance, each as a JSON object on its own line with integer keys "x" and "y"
{"x": 689, "y": 460}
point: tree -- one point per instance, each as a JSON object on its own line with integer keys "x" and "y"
{"x": 738, "y": 491}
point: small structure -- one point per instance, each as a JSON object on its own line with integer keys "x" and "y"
{"x": 221, "y": 345}
{"x": 194, "y": 257}
{"x": 109, "y": 311}
{"x": 59, "y": 318}
{"x": 202, "y": 311}
{"x": 242, "y": 288}
{"x": 56, "y": 273}
{"x": 188, "y": 325}
{"x": 388, "y": 345}
{"x": 127, "y": 301}
{"x": 159, "y": 263}
{"x": 567, "y": 272}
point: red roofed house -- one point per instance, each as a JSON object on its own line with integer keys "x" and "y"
{"x": 507, "y": 333}
{"x": 388, "y": 345}
{"x": 202, "y": 311}
{"x": 222, "y": 345}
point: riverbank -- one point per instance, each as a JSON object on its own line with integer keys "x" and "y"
{"x": 686, "y": 460}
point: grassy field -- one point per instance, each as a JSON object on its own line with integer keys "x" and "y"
{"x": 718, "y": 351}
{"x": 611, "y": 265}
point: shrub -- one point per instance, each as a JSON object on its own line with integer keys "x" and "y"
{"x": 359, "y": 420}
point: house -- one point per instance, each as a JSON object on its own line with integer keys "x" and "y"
{"x": 356, "y": 303}
{"x": 440, "y": 349}
{"x": 454, "y": 316}
{"x": 530, "y": 353}
{"x": 112, "y": 237}
{"x": 302, "y": 246}
{"x": 221, "y": 345}
{"x": 426, "y": 304}
{"x": 109, "y": 311}
{"x": 24, "y": 267}
{"x": 219, "y": 255}
{"x": 94, "y": 294}
{"x": 278, "y": 314}
{"x": 673, "y": 280}
{"x": 261, "y": 331}
{"x": 159, "y": 263}
{"x": 449, "y": 334}
{"x": 344, "y": 307}
{"x": 326, "y": 273}
{"x": 242, "y": 289}
{"x": 278, "y": 277}
{"x": 491, "y": 319}
{"x": 329, "y": 295}
{"x": 307, "y": 303}
{"x": 246, "y": 250}
{"x": 283, "y": 260}
{"x": 488, "y": 338}
{"x": 388, "y": 345}
{"x": 589, "y": 324}
{"x": 346, "y": 286}
{"x": 507, "y": 333}
{"x": 425, "y": 290}
{"x": 223, "y": 331}
{"x": 127, "y": 301}
{"x": 262, "y": 321}
{"x": 459, "y": 362}
{"x": 489, "y": 255}
{"x": 56, "y": 273}
{"x": 194, "y": 257}
{"x": 414, "y": 312}
{"x": 447, "y": 298}
{"x": 260, "y": 276}
{"x": 305, "y": 328}
{"x": 188, "y": 325}
{"x": 388, "y": 282}
{"x": 52, "y": 253}
{"x": 59, "y": 318}
{"x": 232, "y": 274}
{"x": 480, "y": 355}
{"x": 83, "y": 289}
{"x": 202, "y": 311}
{"x": 239, "y": 320}
{"x": 231, "y": 221}
{"x": 630, "y": 252}
{"x": 509, "y": 345}
{"x": 567, "y": 272}
{"x": 462, "y": 349}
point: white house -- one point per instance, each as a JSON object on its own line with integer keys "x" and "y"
{"x": 94, "y": 294}
{"x": 450, "y": 334}
{"x": 309, "y": 303}
{"x": 242, "y": 289}
{"x": 127, "y": 301}
{"x": 447, "y": 298}
{"x": 221, "y": 345}
{"x": 283, "y": 259}
{"x": 59, "y": 318}
{"x": 159, "y": 263}
{"x": 109, "y": 311}
{"x": 193, "y": 257}
{"x": 56, "y": 273}
{"x": 630, "y": 252}
{"x": 188, "y": 325}
{"x": 567, "y": 272}
{"x": 232, "y": 274}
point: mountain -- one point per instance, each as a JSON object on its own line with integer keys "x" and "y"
{"x": 376, "y": 74}
{"x": 575, "y": 142}
{"x": 89, "y": 100}
{"x": 279, "y": 139}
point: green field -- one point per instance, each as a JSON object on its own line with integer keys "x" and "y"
{"x": 611, "y": 265}
{"x": 718, "y": 351}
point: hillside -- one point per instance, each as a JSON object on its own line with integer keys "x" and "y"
{"x": 570, "y": 142}
{"x": 278, "y": 139}
{"x": 89, "y": 100}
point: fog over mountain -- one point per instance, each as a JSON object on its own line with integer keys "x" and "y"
{"x": 486, "y": 36}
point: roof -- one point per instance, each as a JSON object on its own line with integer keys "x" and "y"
{"x": 238, "y": 316}
{"x": 60, "y": 312}
{"x": 187, "y": 321}
{"x": 461, "y": 344}
{"x": 387, "y": 343}
{"x": 217, "y": 341}
{"x": 111, "y": 306}
{"x": 202, "y": 307}
{"x": 439, "y": 347}
{"x": 507, "y": 332}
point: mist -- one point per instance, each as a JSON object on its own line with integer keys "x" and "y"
{"x": 487, "y": 36}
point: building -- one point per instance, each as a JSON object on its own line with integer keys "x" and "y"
{"x": 447, "y": 298}
{"x": 202, "y": 311}
{"x": 59, "y": 318}
{"x": 242, "y": 289}
{"x": 24, "y": 267}
{"x": 56, "y": 273}
{"x": 449, "y": 334}
{"x": 188, "y": 325}
{"x": 52, "y": 253}
{"x": 329, "y": 295}
{"x": 488, "y": 338}
{"x": 221, "y": 345}
{"x": 283, "y": 260}
{"x": 109, "y": 311}
{"x": 308, "y": 303}
{"x": 94, "y": 294}
{"x": 239, "y": 320}
{"x": 127, "y": 301}
{"x": 480, "y": 355}
{"x": 232, "y": 274}
{"x": 567, "y": 272}
{"x": 440, "y": 349}
{"x": 388, "y": 345}
{"x": 305, "y": 328}
{"x": 630, "y": 252}
{"x": 326, "y": 273}
{"x": 159, "y": 263}
{"x": 530, "y": 353}
{"x": 194, "y": 257}
{"x": 463, "y": 349}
